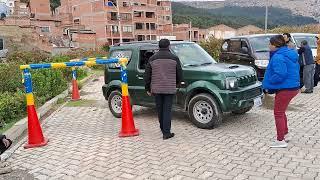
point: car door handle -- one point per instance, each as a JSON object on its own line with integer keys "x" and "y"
{"x": 139, "y": 77}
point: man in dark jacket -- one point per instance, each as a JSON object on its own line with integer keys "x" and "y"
{"x": 163, "y": 74}
{"x": 306, "y": 60}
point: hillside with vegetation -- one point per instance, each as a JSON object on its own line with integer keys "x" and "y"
{"x": 235, "y": 16}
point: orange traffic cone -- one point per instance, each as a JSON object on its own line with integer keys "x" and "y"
{"x": 35, "y": 136}
{"x": 128, "y": 129}
{"x": 75, "y": 90}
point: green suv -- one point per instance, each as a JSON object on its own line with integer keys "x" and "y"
{"x": 208, "y": 90}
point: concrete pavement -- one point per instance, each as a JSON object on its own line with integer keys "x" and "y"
{"x": 84, "y": 144}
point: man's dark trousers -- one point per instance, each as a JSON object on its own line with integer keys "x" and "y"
{"x": 164, "y": 107}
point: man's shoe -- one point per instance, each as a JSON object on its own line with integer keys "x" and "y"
{"x": 279, "y": 144}
{"x": 171, "y": 135}
{"x": 307, "y": 91}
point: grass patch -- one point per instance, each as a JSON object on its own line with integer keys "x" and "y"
{"x": 7, "y": 126}
{"x": 82, "y": 103}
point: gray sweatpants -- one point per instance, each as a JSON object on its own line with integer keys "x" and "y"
{"x": 308, "y": 76}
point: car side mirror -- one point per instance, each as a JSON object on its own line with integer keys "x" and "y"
{"x": 225, "y": 47}
{"x": 244, "y": 50}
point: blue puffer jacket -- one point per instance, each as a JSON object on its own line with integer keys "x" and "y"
{"x": 282, "y": 71}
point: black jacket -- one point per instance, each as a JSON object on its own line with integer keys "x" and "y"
{"x": 163, "y": 73}
{"x": 305, "y": 56}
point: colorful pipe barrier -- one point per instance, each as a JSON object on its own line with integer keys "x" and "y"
{"x": 35, "y": 135}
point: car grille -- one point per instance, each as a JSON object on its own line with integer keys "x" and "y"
{"x": 252, "y": 93}
{"x": 247, "y": 80}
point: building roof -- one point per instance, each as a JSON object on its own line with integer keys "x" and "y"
{"x": 251, "y": 28}
{"x": 222, "y": 27}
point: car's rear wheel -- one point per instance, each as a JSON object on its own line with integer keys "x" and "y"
{"x": 242, "y": 111}
{"x": 204, "y": 111}
{"x": 115, "y": 103}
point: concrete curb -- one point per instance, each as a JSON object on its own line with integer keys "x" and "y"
{"x": 19, "y": 128}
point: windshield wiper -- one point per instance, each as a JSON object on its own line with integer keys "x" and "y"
{"x": 207, "y": 63}
{"x": 263, "y": 51}
{"x": 193, "y": 65}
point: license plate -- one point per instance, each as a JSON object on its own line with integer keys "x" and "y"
{"x": 257, "y": 102}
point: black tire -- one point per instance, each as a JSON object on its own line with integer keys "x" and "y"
{"x": 242, "y": 111}
{"x": 113, "y": 107}
{"x": 210, "y": 114}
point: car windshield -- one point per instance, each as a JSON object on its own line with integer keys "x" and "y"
{"x": 191, "y": 54}
{"x": 312, "y": 42}
{"x": 260, "y": 44}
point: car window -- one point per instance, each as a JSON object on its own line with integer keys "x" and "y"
{"x": 144, "y": 58}
{"x": 191, "y": 54}
{"x": 260, "y": 44}
{"x": 119, "y": 54}
{"x": 235, "y": 46}
{"x": 312, "y": 42}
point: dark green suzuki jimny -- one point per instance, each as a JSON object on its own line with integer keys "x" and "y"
{"x": 209, "y": 88}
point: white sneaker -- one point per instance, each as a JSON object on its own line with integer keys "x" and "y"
{"x": 279, "y": 144}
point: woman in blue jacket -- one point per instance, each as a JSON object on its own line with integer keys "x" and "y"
{"x": 282, "y": 78}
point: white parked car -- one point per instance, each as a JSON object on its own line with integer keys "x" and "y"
{"x": 297, "y": 38}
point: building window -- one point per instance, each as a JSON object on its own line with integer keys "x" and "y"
{"x": 151, "y": 25}
{"x": 114, "y": 16}
{"x": 114, "y": 29}
{"x": 143, "y": 5}
{"x": 167, "y": 8}
{"x": 159, "y": 3}
{"x": 137, "y": 14}
{"x": 126, "y": 16}
{"x": 76, "y": 21}
{"x": 139, "y": 26}
{"x": 127, "y": 28}
{"x": 136, "y": 4}
{"x": 168, "y": 18}
{"x": 141, "y": 37}
{"x": 45, "y": 29}
{"x": 150, "y": 14}
{"x": 1, "y": 44}
{"x": 125, "y": 4}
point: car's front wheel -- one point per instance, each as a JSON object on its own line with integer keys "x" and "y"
{"x": 204, "y": 111}
{"x": 115, "y": 103}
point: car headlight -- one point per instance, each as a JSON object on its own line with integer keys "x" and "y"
{"x": 231, "y": 83}
{"x": 261, "y": 63}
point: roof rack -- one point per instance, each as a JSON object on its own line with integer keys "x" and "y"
{"x": 136, "y": 42}
{"x": 143, "y": 42}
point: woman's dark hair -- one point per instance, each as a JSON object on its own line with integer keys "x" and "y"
{"x": 287, "y": 34}
{"x": 278, "y": 41}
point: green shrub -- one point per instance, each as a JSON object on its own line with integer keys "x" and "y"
{"x": 213, "y": 47}
{"x": 10, "y": 78}
{"x": 12, "y": 107}
{"x": 47, "y": 83}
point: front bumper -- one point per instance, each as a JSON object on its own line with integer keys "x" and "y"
{"x": 242, "y": 98}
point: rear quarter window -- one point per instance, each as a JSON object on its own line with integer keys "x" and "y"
{"x": 119, "y": 54}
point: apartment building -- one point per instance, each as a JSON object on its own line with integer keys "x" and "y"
{"x": 186, "y": 32}
{"x": 138, "y": 19}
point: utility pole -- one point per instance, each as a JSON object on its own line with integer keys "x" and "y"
{"x": 266, "y": 18}
{"x": 119, "y": 19}
{"x": 190, "y": 32}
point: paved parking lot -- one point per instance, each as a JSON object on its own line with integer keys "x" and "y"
{"x": 84, "y": 144}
